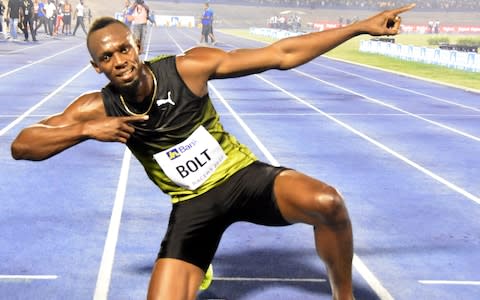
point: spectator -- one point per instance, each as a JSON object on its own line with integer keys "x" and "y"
{"x": 2, "y": 10}
{"x": 79, "y": 14}
{"x": 41, "y": 17}
{"x": 59, "y": 18}
{"x": 67, "y": 18}
{"x": 207, "y": 19}
{"x": 13, "y": 13}
{"x": 127, "y": 13}
{"x": 139, "y": 22}
{"x": 50, "y": 15}
{"x": 27, "y": 18}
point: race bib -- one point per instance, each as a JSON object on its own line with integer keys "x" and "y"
{"x": 190, "y": 163}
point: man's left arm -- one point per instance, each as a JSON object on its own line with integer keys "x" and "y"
{"x": 199, "y": 65}
{"x": 294, "y": 51}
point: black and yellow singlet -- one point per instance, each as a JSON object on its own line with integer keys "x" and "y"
{"x": 175, "y": 114}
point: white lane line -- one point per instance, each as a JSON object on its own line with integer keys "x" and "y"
{"x": 33, "y": 108}
{"x": 106, "y": 265}
{"x": 268, "y": 279}
{"x": 457, "y": 131}
{"x": 371, "y": 279}
{"x": 374, "y": 283}
{"x": 449, "y": 282}
{"x": 406, "y": 75}
{"x": 424, "y": 170}
{"x": 400, "y": 88}
{"x": 38, "y": 61}
{"x": 27, "y": 277}
{"x": 346, "y": 114}
{"x": 108, "y": 257}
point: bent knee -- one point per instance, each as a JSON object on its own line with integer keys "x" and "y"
{"x": 330, "y": 207}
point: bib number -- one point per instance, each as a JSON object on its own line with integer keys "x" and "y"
{"x": 190, "y": 163}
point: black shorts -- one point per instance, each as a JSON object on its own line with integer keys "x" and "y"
{"x": 197, "y": 225}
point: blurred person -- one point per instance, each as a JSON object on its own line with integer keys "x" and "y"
{"x": 139, "y": 22}
{"x": 67, "y": 17}
{"x": 13, "y": 13}
{"x": 59, "y": 18}
{"x": 35, "y": 12}
{"x": 206, "y": 20}
{"x": 159, "y": 106}
{"x": 27, "y": 19}
{"x": 79, "y": 15}
{"x": 50, "y": 15}
{"x": 127, "y": 13}
{"x": 151, "y": 18}
{"x": 2, "y": 12}
{"x": 212, "y": 19}
{"x": 41, "y": 17}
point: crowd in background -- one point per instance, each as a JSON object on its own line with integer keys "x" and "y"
{"x": 465, "y": 5}
{"x": 458, "y": 5}
{"x": 45, "y": 18}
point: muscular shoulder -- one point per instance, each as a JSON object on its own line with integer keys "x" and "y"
{"x": 88, "y": 106}
{"x": 197, "y": 65}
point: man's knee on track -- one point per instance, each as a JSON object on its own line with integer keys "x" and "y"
{"x": 331, "y": 207}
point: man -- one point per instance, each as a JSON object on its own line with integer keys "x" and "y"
{"x": 28, "y": 19}
{"x": 210, "y": 31}
{"x": 207, "y": 24}
{"x": 42, "y": 17}
{"x": 162, "y": 111}
{"x": 13, "y": 13}
{"x": 127, "y": 13}
{"x": 2, "y": 10}
{"x": 79, "y": 15}
{"x": 139, "y": 22}
{"x": 50, "y": 16}
{"x": 67, "y": 18}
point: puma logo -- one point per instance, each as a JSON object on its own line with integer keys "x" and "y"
{"x": 169, "y": 100}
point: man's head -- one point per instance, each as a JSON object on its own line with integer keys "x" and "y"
{"x": 115, "y": 53}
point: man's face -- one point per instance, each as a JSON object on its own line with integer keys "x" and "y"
{"x": 114, "y": 53}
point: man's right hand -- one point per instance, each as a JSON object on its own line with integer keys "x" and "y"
{"x": 112, "y": 129}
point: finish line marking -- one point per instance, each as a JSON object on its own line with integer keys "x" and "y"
{"x": 263, "y": 279}
{"x": 450, "y": 282}
{"x": 27, "y": 277}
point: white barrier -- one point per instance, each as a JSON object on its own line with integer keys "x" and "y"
{"x": 467, "y": 61}
{"x": 273, "y": 33}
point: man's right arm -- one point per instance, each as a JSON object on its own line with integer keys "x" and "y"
{"x": 84, "y": 119}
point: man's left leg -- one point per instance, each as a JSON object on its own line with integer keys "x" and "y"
{"x": 304, "y": 199}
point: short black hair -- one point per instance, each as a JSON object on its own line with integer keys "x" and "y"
{"x": 103, "y": 22}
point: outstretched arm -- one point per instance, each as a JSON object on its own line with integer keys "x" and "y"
{"x": 200, "y": 64}
{"x": 299, "y": 50}
{"x": 84, "y": 119}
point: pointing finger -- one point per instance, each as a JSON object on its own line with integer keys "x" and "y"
{"x": 402, "y": 9}
{"x": 135, "y": 118}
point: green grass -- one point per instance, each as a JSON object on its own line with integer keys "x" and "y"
{"x": 349, "y": 51}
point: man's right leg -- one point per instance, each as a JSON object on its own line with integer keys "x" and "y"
{"x": 174, "y": 279}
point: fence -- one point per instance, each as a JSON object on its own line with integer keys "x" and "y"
{"x": 467, "y": 61}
